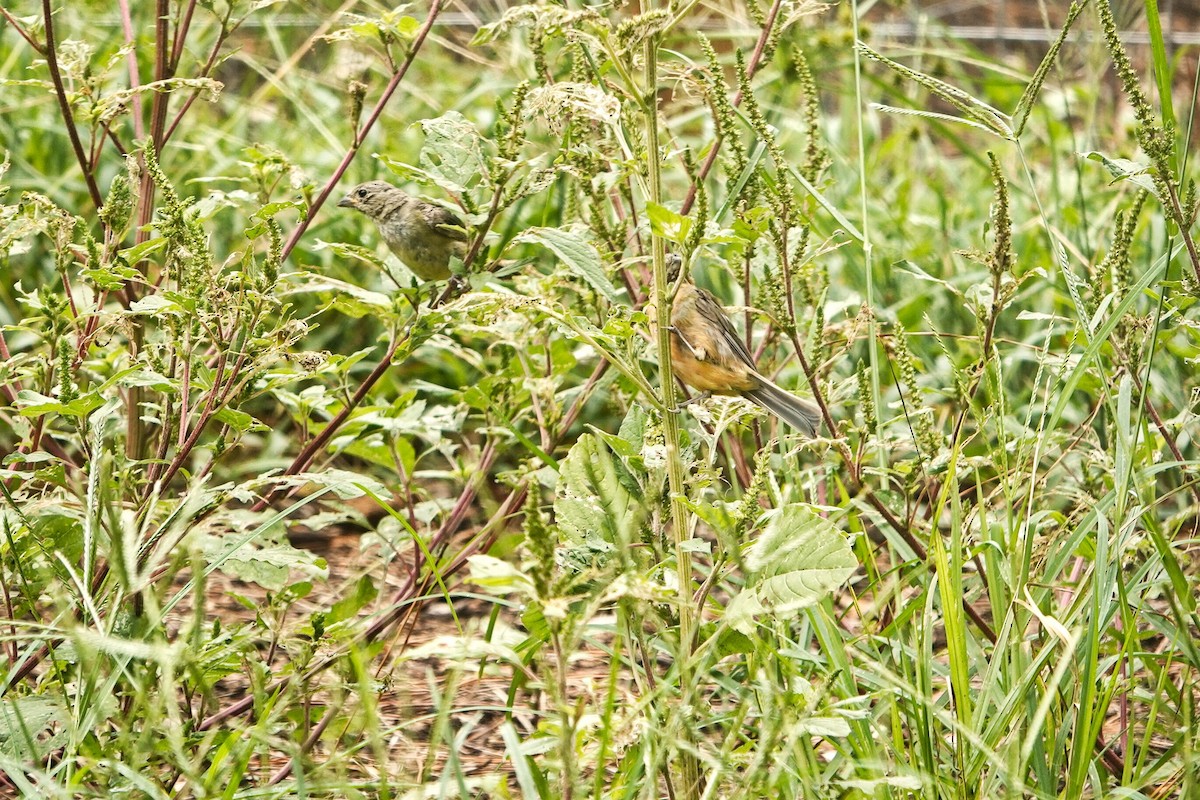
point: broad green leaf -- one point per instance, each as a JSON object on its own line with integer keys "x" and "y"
{"x": 110, "y": 276}
{"x": 133, "y": 255}
{"x": 155, "y": 304}
{"x": 452, "y": 154}
{"x": 353, "y": 602}
{"x": 799, "y": 558}
{"x": 146, "y": 377}
{"x": 346, "y": 485}
{"x": 34, "y": 404}
{"x": 23, "y": 719}
{"x": 667, "y": 224}
{"x": 599, "y": 507}
{"x": 579, "y": 255}
{"x": 352, "y": 300}
{"x": 499, "y": 577}
{"x": 270, "y": 565}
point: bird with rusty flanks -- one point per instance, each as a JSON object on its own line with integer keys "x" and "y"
{"x": 708, "y": 355}
{"x": 422, "y": 235}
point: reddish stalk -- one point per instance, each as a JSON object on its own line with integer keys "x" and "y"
{"x": 751, "y": 69}
{"x": 64, "y": 106}
{"x": 434, "y": 9}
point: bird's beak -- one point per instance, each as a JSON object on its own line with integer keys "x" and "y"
{"x": 346, "y": 202}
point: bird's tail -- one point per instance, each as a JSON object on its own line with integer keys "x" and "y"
{"x": 803, "y": 415}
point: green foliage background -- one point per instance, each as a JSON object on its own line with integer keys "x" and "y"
{"x": 979, "y": 581}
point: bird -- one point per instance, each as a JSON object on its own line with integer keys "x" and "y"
{"x": 422, "y": 235}
{"x": 708, "y": 355}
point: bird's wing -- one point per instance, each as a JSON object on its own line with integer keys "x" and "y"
{"x": 729, "y": 335}
{"x": 444, "y": 222}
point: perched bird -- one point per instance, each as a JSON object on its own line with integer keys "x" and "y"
{"x": 708, "y": 355}
{"x": 422, "y": 235}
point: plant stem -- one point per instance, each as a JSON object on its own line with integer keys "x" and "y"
{"x": 64, "y": 106}
{"x": 675, "y": 478}
{"x": 360, "y": 135}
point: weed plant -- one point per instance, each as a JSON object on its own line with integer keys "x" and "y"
{"x": 978, "y": 581}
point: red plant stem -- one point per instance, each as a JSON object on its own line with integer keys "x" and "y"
{"x": 306, "y": 456}
{"x": 139, "y": 127}
{"x": 204, "y": 73}
{"x": 434, "y": 9}
{"x": 210, "y": 409}
{"x": 19, "y": 28}
{"x": 401, "y": 599}
{"x": 64, "y": 106}
{"x": 181, "y": 32}
{"x": 751, "y": 68}
{"x": 162, "y": 72}
{"x": 10, "y": 389}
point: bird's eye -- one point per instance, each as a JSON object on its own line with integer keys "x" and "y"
{"x": 361, "y": 193}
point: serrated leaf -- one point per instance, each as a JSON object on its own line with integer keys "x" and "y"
{"x": 799, "y": 558}
{"x": 344, "y": 250}
{"x": 270, "y": 565}
{"x": 364, "y": 592}
{"x": 824, "y": 726}
{"x": 23, "y": 719}
{"x": 352, "y": 300}
{"x": 110, "y": 276}
{"x": 579, "y": 255}
{"x": 271, "y": 209}
{"x": 599, "y": 505}
{"x": 452, "y": 154}
{"x": 34, "y": 404}
{"x": 146, "y": 377}
{"x": 136, "y": 253}
{"x": 346, "y": 485}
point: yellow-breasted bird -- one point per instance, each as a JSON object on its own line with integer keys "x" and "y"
{"x": 708, "y": 355}
{"x": 422, "y": 235}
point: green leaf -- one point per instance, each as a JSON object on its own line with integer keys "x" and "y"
{"x": 34, "y": 404}
{"x": 146, "y": 377}
{"x": 499, "y": 577}
{"x": 351, "y": 300}
{"x": 110, "y": 276}
{"x": 240, "y": 421}
{"x": 364, "y": 592}
{"x": 452, "y": 154}
{"x": 599, "y": 507}
{"x": 572, "y": 247}
{"x": 667, "y": 224}
{"x": 797, "y": 560}
{"x": 1124, "y": 169}
{"x": 133, "y": 255}
{"x": 270, "y": 565}
{"x": 155, "y": 304}
{"x": 26, "y": 721}
{"x": 346, "y": 485}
